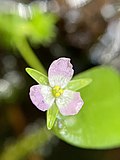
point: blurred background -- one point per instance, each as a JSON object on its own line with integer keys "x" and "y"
{"x": 87, "y": 31}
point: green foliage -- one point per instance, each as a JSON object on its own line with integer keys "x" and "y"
{"x": 39, "y": 28}
{"x": 51, "y": 116}
{"x": 98, "y": 123}
{"x": 11, "y": 27}
{"x": 37, "y": 76}
{"x": 77, "y": 84}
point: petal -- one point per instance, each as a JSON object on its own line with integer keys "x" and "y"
{"x": 41, "y": 97}
{"x": 60, "y": 72}
{"x": 69, "y": 103}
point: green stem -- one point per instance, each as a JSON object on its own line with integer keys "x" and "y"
{"x": 39, "y": 138}
{"x": 26, "y": 145}
{"x": 28, "y": 55}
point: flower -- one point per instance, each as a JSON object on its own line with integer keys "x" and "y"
{"x": 43, "y": 96}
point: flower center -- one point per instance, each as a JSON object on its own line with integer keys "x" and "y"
{"x": 57, "y": 91}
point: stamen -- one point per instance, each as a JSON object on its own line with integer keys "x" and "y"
{"x": 57, "y": 91}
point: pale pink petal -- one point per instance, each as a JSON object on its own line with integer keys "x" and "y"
{"x": 41, "y": 97}
{"x": 60, "y": 72}
{"x": 69, "y": 103}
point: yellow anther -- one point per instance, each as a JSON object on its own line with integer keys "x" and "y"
{"x": 57, "y": 94}
{"x": 57, "y": 91}
{"x": 56, "y": 88}
{"x": 61, "y": 91}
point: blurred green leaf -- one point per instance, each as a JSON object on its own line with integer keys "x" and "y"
{"x": 39, "y": 28}
{"x": 51, "y": 116}
{"x": 37, "y": 76}
{"x": 77, "y": 84}
{"x": 11, "y": 27}
{"x": 98, "y": 123}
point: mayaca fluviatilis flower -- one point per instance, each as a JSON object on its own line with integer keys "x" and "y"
{"x": 43, "y": 96}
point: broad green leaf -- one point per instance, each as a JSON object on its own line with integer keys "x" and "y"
{"x": 51, "y": 116}
{"x": 77, "y": 84}
{"x": 97, "y": 125}
{"x": 37, "y": 76}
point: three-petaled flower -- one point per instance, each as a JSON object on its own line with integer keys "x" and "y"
{"x": 43, "y": 96}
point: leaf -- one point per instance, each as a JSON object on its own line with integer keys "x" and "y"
{"x": 51, "y": 116}
{"x": 41, "y": 27}
{"x": 37, "y": 76}
{"x": 11, "y": 27}
{"x": 38, "y": 28}
{"x": 77, "y": 84}
{"x": 97, "y": 125}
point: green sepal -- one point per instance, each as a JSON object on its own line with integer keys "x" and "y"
{"x": 77, "y": 84}
{"x": 51, "y": 116}
{"x": 37, "y": 76}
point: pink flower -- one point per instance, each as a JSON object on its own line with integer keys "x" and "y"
{"x": 59, "y": 75}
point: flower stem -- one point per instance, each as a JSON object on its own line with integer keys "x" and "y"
{"x": 28, "y": 55}
{"x": 26, "y": 145}
{"x": 39, "y": 138}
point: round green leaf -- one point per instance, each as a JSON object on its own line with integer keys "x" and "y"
{"x": 97, "y": 125}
